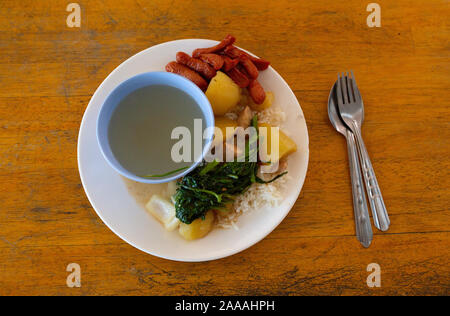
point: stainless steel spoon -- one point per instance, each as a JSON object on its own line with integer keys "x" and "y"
{"x": 364, "y": 231}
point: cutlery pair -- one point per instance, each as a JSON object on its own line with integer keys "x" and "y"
{"x": 346, "y": 113}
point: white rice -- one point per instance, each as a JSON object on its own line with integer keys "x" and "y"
{"x": 273, "y": 116}
{"x": 258, "y": 195}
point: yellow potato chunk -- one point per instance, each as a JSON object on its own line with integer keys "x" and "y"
{"x": 223, "y": 122}
{"x": 198, "y": 228}
{"x": 268, "y": 101}
{"x": 286, "y": 144}
{"x": 223, "y": 93}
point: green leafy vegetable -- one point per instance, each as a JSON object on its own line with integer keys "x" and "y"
{"x": 213, "y": 185}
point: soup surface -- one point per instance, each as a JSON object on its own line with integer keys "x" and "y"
{"x": 141, "y": 127}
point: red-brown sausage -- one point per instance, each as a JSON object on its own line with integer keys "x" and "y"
{"x": 216, "y": 61}
{"x": 196, "y": 64}
{"x": 256, "y": 92}
{"x": 229, "y": 63}
{"x": 260, "y": 63}
{"x": 184, "y": 71}
{"x": 238, "y": 77}
{"x": 228, "y": 40}
{"x": 242, "y": 69}
{"x": 249, "y": 67}
{"x": 234, "y": 52}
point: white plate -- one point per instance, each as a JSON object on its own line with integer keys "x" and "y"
{"x": 109, "y": 196}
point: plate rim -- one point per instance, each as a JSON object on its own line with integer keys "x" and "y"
{"x": 193, "y": 259}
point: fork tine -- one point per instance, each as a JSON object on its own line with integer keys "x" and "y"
{"x": 351, "y": 98}
{"x": 339, "y": 90}
{"x": 355, "y": 88}
{"x": 344, "y": 87}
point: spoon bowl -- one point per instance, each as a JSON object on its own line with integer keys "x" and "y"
{"x": 333, "y": 114}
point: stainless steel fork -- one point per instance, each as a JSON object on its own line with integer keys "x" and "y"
{"x": 352, "y": 112}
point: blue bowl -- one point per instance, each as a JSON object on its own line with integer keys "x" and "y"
{"x": 135, "y": 83}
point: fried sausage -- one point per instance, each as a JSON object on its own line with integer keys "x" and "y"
{"x": 261, "y": 64}
{"x": 234, "y": 52}
{"x": 229, "y": 63}
{"x": 196, "y": 64}
{"x": 256, "y": 92}
{"x": 238, "y": 77}
{"x": 228, "y": 40}
{"x": 249, "y": 67}
{"x": 216, "y": 61}
{"x": 184, "y": 71}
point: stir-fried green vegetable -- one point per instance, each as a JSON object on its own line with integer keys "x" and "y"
{"x": 212, "y": 185}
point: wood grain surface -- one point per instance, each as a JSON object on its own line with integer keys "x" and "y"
{"x": 48, "y": 73}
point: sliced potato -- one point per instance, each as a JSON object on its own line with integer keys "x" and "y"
{"x": 268, "y": 101}
{"x": 198, "y": 228}
{"x": 164, "y": 211}
{"x": 223, "y": 93}
{"x": 286, "y": 144}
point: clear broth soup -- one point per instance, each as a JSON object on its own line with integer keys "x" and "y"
{"x": 141, "y": 126}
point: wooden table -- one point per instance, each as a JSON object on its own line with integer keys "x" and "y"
{"x": 49, "y": 71}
